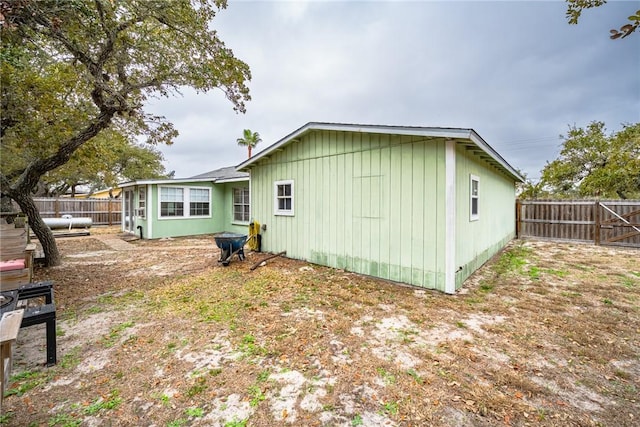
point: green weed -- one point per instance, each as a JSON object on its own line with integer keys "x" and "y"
{"x": 249, "y": 347}
{"x": 236, "y": 423}
{"x": 64, "y": 420}
{"x": 390, "y": 408}
{"x": 71, "y": 359}
{"x": 413, "y": 374}
{"x": 387, "y": 377}
{"x": 263, "y": 376}
{"x": 194, "y": 412}
{"x": 198, "y": 387}
{"x": 512, "y": 260}
{"x": 101, "y": 404}
{"x": 256, "y": 395}
{"x": 357, "y": 420}
{"x": 113, "y": 336}
{"x": 27, "y": 380}
{"x": 177, "y": 423}
{"x": 486, "y": 287}
{"x": 5, "y": 418}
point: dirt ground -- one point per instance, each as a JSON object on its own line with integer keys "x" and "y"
{"x": 156, "y": 333}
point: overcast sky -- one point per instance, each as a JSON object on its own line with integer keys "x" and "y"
{"x": 514, "y": 71}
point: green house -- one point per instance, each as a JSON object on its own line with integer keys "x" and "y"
{"x": 203, "y": 204}
{"x": 424, "y": 206}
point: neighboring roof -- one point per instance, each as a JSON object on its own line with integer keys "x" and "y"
{"x": 222, "y": 175}
{"x": 469, "y": 137}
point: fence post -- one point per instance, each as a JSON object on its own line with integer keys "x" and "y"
{"x": 109, "y": 214}
{"x": 596, "y": 223}
{"x": 56, "y": 208}
{"x": 518, "y": 209}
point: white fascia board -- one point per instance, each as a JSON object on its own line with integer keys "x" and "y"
{"x": 163, "y": 181}
{"x": 225, "y": 180}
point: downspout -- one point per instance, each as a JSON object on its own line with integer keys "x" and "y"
{"x": 140, "y": 230}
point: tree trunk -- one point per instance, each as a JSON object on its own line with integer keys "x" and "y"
{"x": 42, "y": 232}
{"x": 249, "y": 149}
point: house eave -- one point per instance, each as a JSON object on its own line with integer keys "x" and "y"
{"x": 162, "y": 181}
{"x": 431, "y": 132}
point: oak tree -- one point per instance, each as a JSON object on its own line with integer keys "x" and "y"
{"x": 593, "y": 163}
{"x": 72, "y": 69}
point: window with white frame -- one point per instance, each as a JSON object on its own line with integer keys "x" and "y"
{"x": 283, "y": 197}
{"x": 184, "y": 202}
{"x": 474, "y": 193}
{"x": 142, "y": 202}
{"x": 198, "y": 201}
{"x": 241, "y": 204}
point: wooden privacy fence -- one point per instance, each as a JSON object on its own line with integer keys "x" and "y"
{"x": 603, "y": 222}
{"x": 101, "y": 211}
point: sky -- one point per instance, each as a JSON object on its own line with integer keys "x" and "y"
{"x": 514, "y": 71}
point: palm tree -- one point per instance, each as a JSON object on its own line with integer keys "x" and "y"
{"x": 250, "y": 139}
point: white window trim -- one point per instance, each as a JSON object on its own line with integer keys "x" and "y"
{"x": 472, "y": 216}
{"x": 142, "y": 203}
{"x": 283, "y": 212}
{"x": 233, "y": 206}
{"x": 186, "y": 201}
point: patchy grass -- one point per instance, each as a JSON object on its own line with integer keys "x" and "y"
{"x": 544, "y": 334}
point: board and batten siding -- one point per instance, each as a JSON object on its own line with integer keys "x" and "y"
{"x": 479, "y": 240}
{"x": 367, "y": 203}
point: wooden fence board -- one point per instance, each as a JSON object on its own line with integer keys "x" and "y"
{"x": 607, "y": 222}
{"x": 101, "y": 211}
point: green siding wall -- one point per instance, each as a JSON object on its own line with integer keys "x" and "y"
{"x": 368, "y": 203}
{"x": 477, "y": 241}
{"x": 186, "y": 226}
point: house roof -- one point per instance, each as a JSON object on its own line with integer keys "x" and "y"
{"x": 218, "y": 176}
{"x": 224, "y": 174}
{"x": 468, "y": 137}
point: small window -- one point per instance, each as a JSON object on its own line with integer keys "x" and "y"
{"x": 283, "y": 203}
{"x": 142, "y": 202}
{"x": 241, "y": 204}
{"x": 475, "y": 197}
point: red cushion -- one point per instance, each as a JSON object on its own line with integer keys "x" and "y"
{"x": 13, "y": 264}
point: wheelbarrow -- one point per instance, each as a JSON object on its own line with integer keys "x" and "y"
{"x": 230, "y": 244}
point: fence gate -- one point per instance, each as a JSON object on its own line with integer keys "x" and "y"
{"x": 618, "y": 223}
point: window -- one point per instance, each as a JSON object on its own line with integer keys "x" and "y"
{"x": 283, "y": 203}
{"x": 142, "y": 202}
{"x": 171, "y": 201}
{"x": 184, "y": 202}
{"x": 198, "y": 202}
{"x": 241, "y": 204}
{"x": 474, "y": 200}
